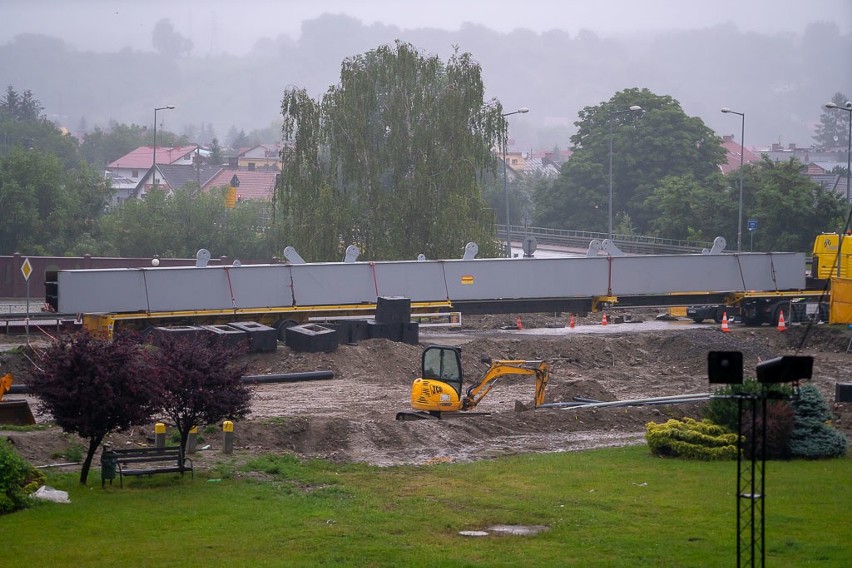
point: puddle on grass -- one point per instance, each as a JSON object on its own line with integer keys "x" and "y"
{"x": 517, "y": 530}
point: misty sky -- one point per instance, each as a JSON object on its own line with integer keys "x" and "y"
{"x": 225, "y": 25}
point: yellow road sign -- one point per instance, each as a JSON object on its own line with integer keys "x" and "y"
{"x": 26, "y": 268}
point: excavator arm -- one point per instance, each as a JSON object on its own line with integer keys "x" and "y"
{"x": 501, "y": 368}
{"x": 5, "y": 384}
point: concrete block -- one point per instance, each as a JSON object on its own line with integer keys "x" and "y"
{"x": 311, "y": 338}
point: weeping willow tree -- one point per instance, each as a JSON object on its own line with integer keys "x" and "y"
{"x": 390, "y": 159}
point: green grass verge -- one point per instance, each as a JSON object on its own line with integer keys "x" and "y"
{"x": 614, "y": 507}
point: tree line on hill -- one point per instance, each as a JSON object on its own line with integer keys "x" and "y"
{"x": 399, "y": 159}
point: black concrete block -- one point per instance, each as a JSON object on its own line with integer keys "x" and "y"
{"x": 393, "y": 309}
{"x": 263, "y": 338}
{"x": 311, "y": 338}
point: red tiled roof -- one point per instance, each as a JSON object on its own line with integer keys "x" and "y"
{"x": 732, "y": 155}
{"x": 257, "y": 185}
{"x": 142, "y": 157}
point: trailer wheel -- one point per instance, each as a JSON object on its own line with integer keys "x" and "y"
{"x": 282, "y": 325}
{"x": 776, "y": 312}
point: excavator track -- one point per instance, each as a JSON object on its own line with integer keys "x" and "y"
{"x": 407, "y": 416}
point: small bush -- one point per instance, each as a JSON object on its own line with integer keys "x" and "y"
{"x": 725, "y": 411}
{"x": 689, "y": 438}
{"x": 813, "y": 436}
{"x": 779, "y": 427}
{"x": 17, "y": 479}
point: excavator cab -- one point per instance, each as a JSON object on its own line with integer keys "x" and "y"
{"x": 439, "y": 386}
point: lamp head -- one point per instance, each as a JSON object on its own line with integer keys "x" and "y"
{"x": 635, "y": 108}
{"x": 524, "y": 110}
{"x": 170, "y": 107}
{"x": 727, "y": 110}
{"x": 830, "y": 105}
{"x": 848, "y": 105}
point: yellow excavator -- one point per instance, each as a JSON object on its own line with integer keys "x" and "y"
{"x": 438, "y": 391}
{"x": 15, "y": 412}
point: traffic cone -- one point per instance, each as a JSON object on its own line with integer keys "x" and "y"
{"x": 518, "y": 323}
{"x": 725, "y": 328}
{"x": 603, "y": 320}
{"x": 782, "y": 325}
{"x": 571, "y": 322}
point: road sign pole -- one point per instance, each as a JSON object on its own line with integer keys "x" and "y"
{"x": 26, "y": 270}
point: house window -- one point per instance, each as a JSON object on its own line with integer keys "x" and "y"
{"x": 134, "y": 173}
{"x": 251, "y": 166}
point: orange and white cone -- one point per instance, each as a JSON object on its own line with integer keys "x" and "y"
{"x": 725, "y": 328}
{"x": 518, "y": 323}
{"x": 782, "y": 325}
{"x": 571, "y": 322}
{"x": 603, "y": 320}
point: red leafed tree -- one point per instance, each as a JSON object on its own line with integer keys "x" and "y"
{"x": 93, "y": 387}
{"x": 201, "y": 380}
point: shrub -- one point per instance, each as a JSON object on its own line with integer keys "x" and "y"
{"x": 17, "y": 479}
{"x": 689, "y": 438}
{"x": 725, "y": 411}
{"x": 779, "y": 427}
{"x": 813, "y": 436}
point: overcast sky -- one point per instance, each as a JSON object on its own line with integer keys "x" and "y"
{"x": 233, "y": 26}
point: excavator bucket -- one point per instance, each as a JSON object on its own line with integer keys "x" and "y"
{"x": 16, "y": 412}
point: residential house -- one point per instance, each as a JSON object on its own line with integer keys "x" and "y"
{"x": 251, "y": 184}
{"x": 733, "y": 156}
{"x": 261, "y": 157}
{"x": 128, "y": 174}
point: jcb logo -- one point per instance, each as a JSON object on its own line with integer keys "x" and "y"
{"x": 436, "y": 389}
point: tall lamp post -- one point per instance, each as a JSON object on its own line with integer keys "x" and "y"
{"x": 634, "y": 108}
{"x": 521, "y": 110}
{"x": 154, "y": 169}
{"x": 726, "y": 110}
{"x": 848, "y": 108}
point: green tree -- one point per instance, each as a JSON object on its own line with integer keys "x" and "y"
{"x": 833, "y": 128}
{"x": 647, "y": 147}
{"x": 789, "y": 207}
{"x": 690, "y": 210}
{"x": 102, "y": 147}
{"x": 217, "y": 156}
{"x": 391, "y": 158}
{"x": 185, "y": 221}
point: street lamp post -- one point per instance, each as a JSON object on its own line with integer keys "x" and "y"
{"x": 634, "y": 108}
{"x": 154, "y": 169}
{"x": 848, "y": 108}
{"x": 726, "y": 110}
{"x": 521, "y": 110}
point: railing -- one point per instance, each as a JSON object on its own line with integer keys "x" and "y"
{"x": 580, "y": 239}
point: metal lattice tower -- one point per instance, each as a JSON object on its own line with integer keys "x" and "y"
{"x": 750, "y": 483}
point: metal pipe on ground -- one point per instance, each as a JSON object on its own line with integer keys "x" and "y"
{"x": 675, "y": 399}
{"x": 288, "y": 377}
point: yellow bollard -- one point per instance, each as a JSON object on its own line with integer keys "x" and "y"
{"x": 227, "y": 437}
{"x": 159, "y": 435}
{"x": 192, "y": 440}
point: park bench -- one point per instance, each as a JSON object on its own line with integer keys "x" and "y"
{"x": 143, "y": 461}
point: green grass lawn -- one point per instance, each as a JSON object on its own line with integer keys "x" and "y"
{"x": 615, "y": 507}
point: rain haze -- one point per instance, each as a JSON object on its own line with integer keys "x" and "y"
{"x": 235, "y": 27}
{"x": 92, "y": 62}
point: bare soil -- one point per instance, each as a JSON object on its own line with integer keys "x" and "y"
{"x": 351, "y": 417}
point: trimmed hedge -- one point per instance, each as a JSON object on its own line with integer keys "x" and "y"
{"x": 689, "y": 438}
{"x": 17, "y": 479}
